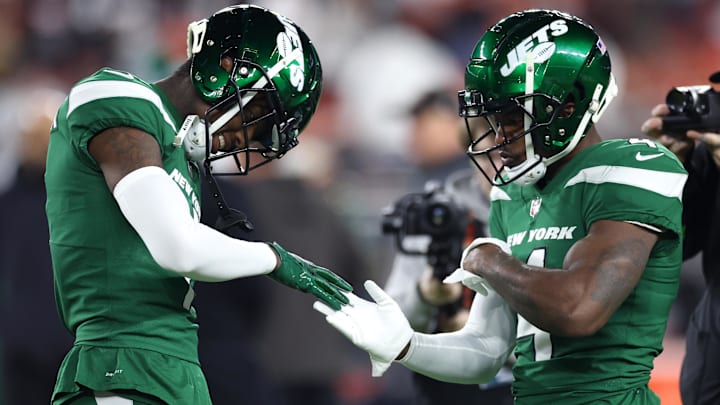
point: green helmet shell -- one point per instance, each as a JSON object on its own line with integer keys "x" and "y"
{"x": 570, "y": 61}
{"x": 270, "y": 44}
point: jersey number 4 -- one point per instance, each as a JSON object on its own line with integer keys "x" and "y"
{"x": 540, "y": 339}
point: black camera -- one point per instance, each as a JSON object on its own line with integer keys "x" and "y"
{"x": 433, "y": 213}
{"x": 693, "y": 107}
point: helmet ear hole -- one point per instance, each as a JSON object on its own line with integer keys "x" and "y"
{"x": 567, "y": 109}
{"x": 227, "y": 63}
{"x": 569, "y": 105}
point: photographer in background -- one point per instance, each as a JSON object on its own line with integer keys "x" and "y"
{"x": 430, "y": 230}
{"x": 689, "y": 125}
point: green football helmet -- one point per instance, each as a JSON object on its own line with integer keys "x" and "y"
{"x": 276, "y": 70}
{"x": 530, "y": 64}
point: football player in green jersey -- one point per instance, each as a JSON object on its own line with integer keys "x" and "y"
{"x": 123, "y": 178}
{"x": 584, "y": 259}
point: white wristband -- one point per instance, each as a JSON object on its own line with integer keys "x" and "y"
{"x": 471, "y": 280}
{"x": 481, "y": 241}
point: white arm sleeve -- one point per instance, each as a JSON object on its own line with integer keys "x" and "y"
{"x": 158, "y": 211}
{"x": 473, "y": 354}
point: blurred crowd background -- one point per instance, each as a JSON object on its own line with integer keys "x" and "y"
{"x": 386, "y": 123}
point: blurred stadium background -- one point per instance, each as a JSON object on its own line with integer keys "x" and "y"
{"x": 380, "y": 57}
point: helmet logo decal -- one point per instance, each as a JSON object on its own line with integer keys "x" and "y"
{"x": 287, "y": 42}
{"x": 538, "y": 43}
{"x": 195, "y": 36}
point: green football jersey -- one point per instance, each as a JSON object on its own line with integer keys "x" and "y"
{"x": 633, "y": 180}
{"x": 109, "y": 290}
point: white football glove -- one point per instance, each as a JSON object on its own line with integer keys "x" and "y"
{"x": 380, "y": 328}
{"x": 471, "y": 280}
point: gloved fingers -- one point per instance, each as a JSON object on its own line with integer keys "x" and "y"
{"x": 323, "y": 308}
{"x": 333, "y": 278}
{"x": 331, "y": 290}
{"x": 344, "y": 324}
{"x": 323, "y": 295}
{"x": 354, "y": 300}
{"x": 360, "y": 309}
{"x": 377, "y": 293}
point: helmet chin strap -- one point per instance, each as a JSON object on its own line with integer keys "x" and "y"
{"x": 231, "y": 221}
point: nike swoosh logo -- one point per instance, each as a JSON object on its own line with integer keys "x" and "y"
{"x": 643, "y": 158}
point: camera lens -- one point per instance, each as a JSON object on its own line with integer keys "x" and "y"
{"x": 681, "y": 102}
{"x": 438, "y": 215}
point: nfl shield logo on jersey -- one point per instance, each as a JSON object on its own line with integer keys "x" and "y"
{"x": 535, "y": 206}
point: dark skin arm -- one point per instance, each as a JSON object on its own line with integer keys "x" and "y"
{"x": 598, "y": 274}
{"x": 121, "y": 150}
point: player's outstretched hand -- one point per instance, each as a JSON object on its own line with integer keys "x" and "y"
{"x": 378, "y": 327}
{"x": 300, "y": 274}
